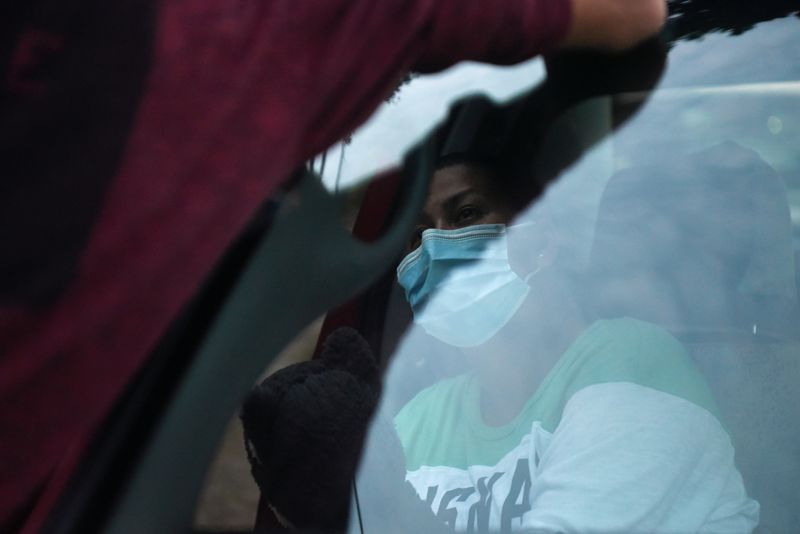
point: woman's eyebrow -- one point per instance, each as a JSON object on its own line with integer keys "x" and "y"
{"x": 453, "y": 201}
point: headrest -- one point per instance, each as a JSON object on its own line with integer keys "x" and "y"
{"x": 701, "y": 244}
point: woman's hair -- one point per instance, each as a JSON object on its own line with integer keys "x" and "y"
{"x": 514, "y": 188}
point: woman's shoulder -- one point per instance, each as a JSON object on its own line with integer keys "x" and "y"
{"x": 626, "y": 350}
{"x": 442, "y": 397}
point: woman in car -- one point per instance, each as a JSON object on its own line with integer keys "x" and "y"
{"x": 564, "y": 423}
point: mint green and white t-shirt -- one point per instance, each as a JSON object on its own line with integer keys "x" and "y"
{"x": 621, "y": 436}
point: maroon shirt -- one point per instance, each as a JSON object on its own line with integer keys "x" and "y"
{"x": 140, "y": 146}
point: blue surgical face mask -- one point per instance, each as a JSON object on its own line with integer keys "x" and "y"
{"x": 460, "y": 284}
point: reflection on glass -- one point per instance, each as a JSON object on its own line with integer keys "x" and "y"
{"x": 414, "y": 110}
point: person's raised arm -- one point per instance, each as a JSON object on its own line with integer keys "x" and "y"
{"x": 613, "y": 24}
{"x": 515, "y": 30}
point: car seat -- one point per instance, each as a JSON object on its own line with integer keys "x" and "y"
{"x": 703, "y": 247}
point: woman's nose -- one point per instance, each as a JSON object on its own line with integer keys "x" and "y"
{"x": 444, "y": 224}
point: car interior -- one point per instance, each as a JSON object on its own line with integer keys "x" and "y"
{"x": 681, "y": 207}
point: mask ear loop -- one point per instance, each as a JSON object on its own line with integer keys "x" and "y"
{"x": 514, "y": 228}
{"x": 534, "y": 273}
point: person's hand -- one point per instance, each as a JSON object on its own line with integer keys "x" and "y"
{"x": 304, "y": 429}
{"x": 613, "y": 24}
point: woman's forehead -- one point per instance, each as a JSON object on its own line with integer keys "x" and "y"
{"x": 456, "y": 179}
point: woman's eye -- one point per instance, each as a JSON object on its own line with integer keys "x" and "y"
{"x": 467, "y": 214}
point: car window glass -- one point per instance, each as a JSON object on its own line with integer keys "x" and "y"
{"x": 709, "y": 55}
{"x": 681, "y": 225}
